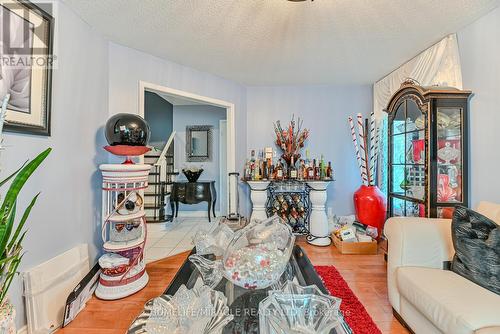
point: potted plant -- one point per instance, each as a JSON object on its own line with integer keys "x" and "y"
{"x": 11, "y": 237}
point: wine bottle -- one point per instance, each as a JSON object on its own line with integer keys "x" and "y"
{"x": 310, "y": 171}
{"x": 301, "y": 170}
{"x": 329, "y": 171}
{"x": 322, "y": 168}
{"x": 293, "y": 170}
{"x": 279, "y": 171}
{"x": 248, "y": 173}
{"x": 317, "y": 171}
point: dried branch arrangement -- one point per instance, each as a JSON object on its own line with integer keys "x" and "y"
{"x": 291, "y": 139}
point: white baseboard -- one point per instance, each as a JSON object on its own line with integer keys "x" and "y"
{"x": 23, "y": 330}
{"x": 195, "y": 214}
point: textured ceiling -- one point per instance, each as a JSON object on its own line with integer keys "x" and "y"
{"x": 259, "y": 42}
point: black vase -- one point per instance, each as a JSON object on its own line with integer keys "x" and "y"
{"x": 192, "y": 176}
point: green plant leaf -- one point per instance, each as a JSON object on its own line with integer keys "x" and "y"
{"x": 18, "y": 183}
{"x": 22, "y": 221}
{"x": 5, "y": 230}
{"x": 13, "y": 174}
{"x": 7, "y": 259}
{"x": 10, "y": 275}
{"x": 23, "y": 176}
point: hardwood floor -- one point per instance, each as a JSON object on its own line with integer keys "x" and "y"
{"x": 365, "y": 274}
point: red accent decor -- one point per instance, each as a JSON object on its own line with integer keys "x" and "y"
{"x": 127, "y": 150}
{"x": 122, "y": 281}
{"x": 353, "y": 311}
{"x": 371, "y": 206}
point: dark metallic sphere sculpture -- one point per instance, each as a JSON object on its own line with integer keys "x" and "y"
{"x": 127, "y": 129}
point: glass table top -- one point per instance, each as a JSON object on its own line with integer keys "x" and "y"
{"x": 244, "y": 304}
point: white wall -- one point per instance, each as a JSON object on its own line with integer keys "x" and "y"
{"x": 128, "y": 66}
{"x": 199, "y": 115}
{"x": 68, "y": 210}
{"x": 324, "y": 110}
{"x": 479, "y": 45}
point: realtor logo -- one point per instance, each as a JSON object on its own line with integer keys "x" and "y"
{"x": 26, "y": 34}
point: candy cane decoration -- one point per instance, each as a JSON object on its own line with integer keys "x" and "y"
{"x": 372, "y": 144}
{"x": 363, "y": 151}
{"x": 375, "y": 153}
{"x": 355, "y": 143}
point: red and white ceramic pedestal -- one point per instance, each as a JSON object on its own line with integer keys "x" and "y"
{"x": 124, "y": 230}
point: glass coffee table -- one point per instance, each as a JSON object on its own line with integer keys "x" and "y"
{"x": 243, "y": 303}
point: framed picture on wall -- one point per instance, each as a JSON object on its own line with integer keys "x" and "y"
{"x": 26, "y": 62}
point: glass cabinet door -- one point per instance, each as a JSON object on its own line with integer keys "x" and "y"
{"x": 449, "y": 157}
{"x": 408, "y": 160}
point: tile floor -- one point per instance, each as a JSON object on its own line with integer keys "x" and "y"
{"x": 171, "y": 238}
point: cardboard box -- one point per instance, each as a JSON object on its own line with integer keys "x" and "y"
{"x": 360, "y": 248}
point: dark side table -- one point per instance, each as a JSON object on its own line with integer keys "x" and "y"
{"x": 193, "y": 193}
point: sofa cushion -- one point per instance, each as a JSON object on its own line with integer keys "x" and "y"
{"x": 476, "y": 240}
{"x": 453, "y": 303}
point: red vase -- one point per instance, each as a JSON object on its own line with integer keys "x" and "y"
{"x": 371, "y": 206}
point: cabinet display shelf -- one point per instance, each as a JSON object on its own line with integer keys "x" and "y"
{"x": 116, "y": 287}
{"x": 125, "y": 218}
{"x": 129, "y": 186}
{"x": 407, "y": 198}
{"x": 427, "y": 150}
{"x": 124, "y": 232}
{"x": 118, "y": 246}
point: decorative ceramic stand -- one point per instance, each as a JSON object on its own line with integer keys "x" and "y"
{"x": 318, "y": 221}
{"x": 258, "y": 196}
{"x": 124, "y": 229}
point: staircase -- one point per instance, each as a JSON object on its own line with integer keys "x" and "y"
{"x": 161, "y": 178}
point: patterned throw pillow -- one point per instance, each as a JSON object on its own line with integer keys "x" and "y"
{"x": 477, "y": 248}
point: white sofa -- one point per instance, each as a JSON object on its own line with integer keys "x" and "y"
{"x": 427, "y": 298}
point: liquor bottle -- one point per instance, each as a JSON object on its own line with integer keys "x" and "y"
{"x": 305, "y": 170}
{"x": 248, "y": 171}
{"x": 329, "y": 171}
{"x": 322, "y": 168}
{"x": 310, "y": 171}
{"x": 293, "y": 170}
{"x": 317, "y": 171}
{"x": 265, "y": 171}
{"x": 301, "y": 170}
{"x": 257, "y": 169}
{"x": 279, "y": 171}
{"x": 272, "y": 174}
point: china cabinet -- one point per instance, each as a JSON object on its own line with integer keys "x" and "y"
{"x": 427, "y": 150}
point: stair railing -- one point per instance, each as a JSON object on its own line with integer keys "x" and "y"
{"x": 162, "y": 156}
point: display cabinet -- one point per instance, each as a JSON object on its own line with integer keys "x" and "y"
{"x": 427, "y": 151}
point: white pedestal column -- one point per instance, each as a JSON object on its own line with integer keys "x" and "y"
{"x": 318, "y": 221}
{"x": 258, "y": 196}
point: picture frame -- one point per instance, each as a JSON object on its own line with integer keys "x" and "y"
{"x": 199, "y": 143}
{"x": 26, "y": 39}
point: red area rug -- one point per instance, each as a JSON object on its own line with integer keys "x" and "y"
{"x": 353, "y": 311}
